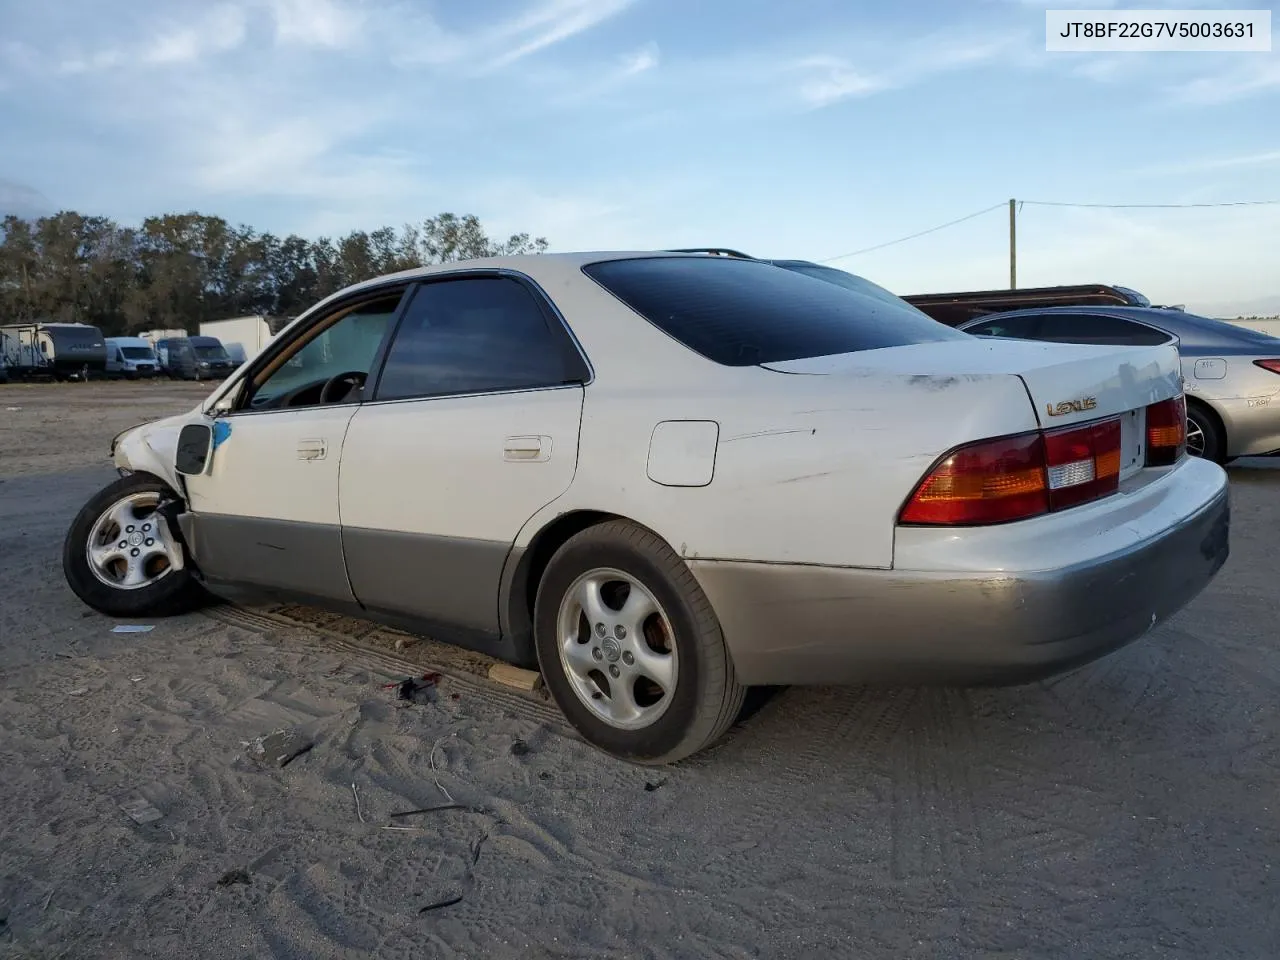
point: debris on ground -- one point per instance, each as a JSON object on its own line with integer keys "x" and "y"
{"x": 279, "y": 748}
{"x": 78, "y": 692}
{"x": 359, "y": 811}
{"x": 232, "y": 877}
{"x": 475, "y": 849}
{"x": 416, "y": 689}
{"x": 140, "y": 810}
{"x": 435, "y": 809}
{"x": 651, "y": 786}
{"x": 510, "y": 676}
{"x": 519, "y": 749}
{"x": 132, "y": 628}
{"x": 403, "y": 643}
{"x": 443, "y": 903}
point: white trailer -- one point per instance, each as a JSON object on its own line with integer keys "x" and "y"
{"x": 244, "y": 337}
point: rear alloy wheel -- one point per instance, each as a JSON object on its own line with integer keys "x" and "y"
{"x": 122, "y": 557}
{"x": 1204, "y": 436}
{"x": 630, "y": 647}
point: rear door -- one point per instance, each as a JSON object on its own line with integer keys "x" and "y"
{"x": 472, "y": 428}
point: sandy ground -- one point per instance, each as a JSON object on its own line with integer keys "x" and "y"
{"x": 1129, "y": 809}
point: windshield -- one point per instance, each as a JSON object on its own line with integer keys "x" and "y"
{"x": 743, "y": 312}
{"x": 76, "y": 336}
{"x": 137, "y": 353}
{"x": 210, "y": 352}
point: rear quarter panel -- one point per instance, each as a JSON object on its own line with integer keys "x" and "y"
{"x": 807, "y": 469}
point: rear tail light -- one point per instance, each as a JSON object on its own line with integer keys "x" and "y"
{"x": 1272, "y": 365}
{"x": 1166, "y": 432}
{"x": 989, "y": 482}
{"x": 1014, "y": 478}
{"x": 1083, "y": 463}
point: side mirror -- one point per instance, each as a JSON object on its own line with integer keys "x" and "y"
{"x": 195, "y": 447}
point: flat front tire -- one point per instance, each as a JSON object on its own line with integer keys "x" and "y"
{"x": 630, "y": 648}
{"x": 122, "y": 557}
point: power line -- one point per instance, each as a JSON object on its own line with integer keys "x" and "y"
{"x": 1152, "y": 206}
{"x": 941, "y": 226}
{"x": 1055, "y": 203}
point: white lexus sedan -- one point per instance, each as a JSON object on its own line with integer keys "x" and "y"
{"x": 661, "y": 478}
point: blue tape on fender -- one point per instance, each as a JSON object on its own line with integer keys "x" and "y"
{"x": 221, "y": 431}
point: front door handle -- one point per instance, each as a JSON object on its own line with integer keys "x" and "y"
{"x": 528, "y": 449}
{"x": 312, "y": 449}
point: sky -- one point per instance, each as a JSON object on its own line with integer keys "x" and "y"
{"x": 806, "y": 129}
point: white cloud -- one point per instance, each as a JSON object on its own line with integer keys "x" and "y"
{"x": 222, "y": 28}
{"x": 91, "y": 63}
{"x": 216, "y": 29}
{"x": 550, "y": 22}
{"x": 1207, "y": 164}
{"x": 638, "y": 61}
{"x": 832, "y": 78}
{"x": 318, "y": 23}
{"x": 1260, "y": 75}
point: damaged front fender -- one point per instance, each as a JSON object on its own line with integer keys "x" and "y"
{"x": 152, "y": 447}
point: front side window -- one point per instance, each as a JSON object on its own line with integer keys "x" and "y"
{"x": 345, "y": 343}
{"x": 743, "y": 312}
{"x": 475, "y": 335}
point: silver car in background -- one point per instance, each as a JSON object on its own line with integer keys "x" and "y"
{"x": 1231, "y": 374}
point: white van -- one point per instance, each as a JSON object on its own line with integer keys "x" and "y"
{"x": 131, "y": 358}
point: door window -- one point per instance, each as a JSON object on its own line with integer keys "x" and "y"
{"x": 346, "y": 342}
{"x": 1090, "y": 328}
{"x": 1017, "y": 328}
{"x": 476, "y": 335}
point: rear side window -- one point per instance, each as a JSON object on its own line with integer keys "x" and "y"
{"x": 743, "y": 312}
{"x": 1090, "y": 328}
{"x": 475, "y": 335}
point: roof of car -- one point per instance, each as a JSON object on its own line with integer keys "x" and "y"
{"x": 533, "y": 264}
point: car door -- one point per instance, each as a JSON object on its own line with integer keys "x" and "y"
{"x": 265, "y": 512}
{"x": 471, "y": 429}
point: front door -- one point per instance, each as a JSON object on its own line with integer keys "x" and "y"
{"x": 471, "y": 430}
{"x": 266, "y": 512}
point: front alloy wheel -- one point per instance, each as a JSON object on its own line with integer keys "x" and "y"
{"x": 123, "y": 558}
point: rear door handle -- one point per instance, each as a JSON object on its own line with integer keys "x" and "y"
{"x": 312, "y": 449}
{"x": 529, "y": 449}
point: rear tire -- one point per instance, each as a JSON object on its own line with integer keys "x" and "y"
{"x": 114, "y": 556}
{"x": 1205, "y": 436}
{"x": 661, "y": 688}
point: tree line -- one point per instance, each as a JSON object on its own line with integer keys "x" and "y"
{"x": 178, "y": 270}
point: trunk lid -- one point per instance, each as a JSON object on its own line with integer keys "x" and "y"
{"x": 1067, "y": 383}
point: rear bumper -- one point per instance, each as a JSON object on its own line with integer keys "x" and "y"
{"x": 793, "y": 624}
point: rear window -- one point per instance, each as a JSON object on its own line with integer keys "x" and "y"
{"x": 743, "y": 312}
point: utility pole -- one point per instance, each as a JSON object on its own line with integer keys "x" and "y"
{"x": 1013, "y": 244}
